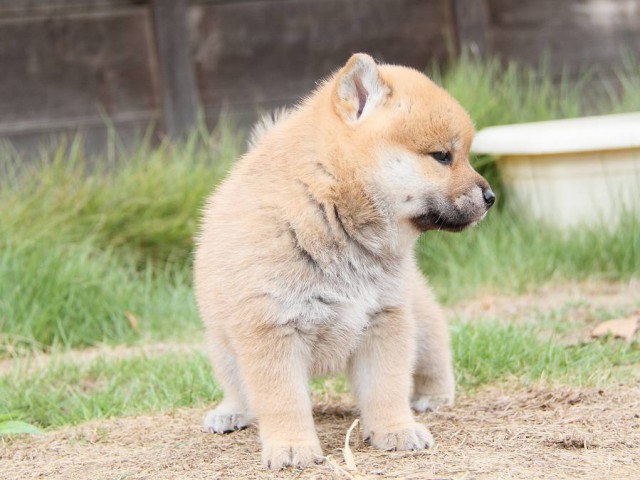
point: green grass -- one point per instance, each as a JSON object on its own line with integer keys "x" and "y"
{"x": 70, "y": 392}
{"x": 509, "y": 253}
{"x": 84, "y": 241}
{"x": 77, "y": 294}
{"x": 80, "y": 249}
{"x": 143, "y": 203}
{"x": 489, "y": 352}
{"x": 497, "y": 94}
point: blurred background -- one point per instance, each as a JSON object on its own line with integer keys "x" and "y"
{"x": 70, "y": 65}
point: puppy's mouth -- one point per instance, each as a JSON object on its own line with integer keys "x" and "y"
{"x": 448, "y": 219}
{"x": 434, "y": 221}
{"x": 451, "y": 216}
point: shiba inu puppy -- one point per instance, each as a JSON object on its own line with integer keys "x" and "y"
{"x": 304, "y": 265}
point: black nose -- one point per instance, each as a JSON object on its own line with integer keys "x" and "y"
{"x": 489, "y": 197}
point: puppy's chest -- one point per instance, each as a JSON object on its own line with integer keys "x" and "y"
{"x": 334, "y": 314}
{"x": 345, "y": 297}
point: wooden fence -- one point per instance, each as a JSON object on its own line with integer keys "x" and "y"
{"x": 76, "y": 64}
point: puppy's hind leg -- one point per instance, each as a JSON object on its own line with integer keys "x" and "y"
{"x": 232, "y": 413}
{"x": 433, "y": 379}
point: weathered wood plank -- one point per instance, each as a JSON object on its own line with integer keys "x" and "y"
{"x": 95, "y": 136}
{"x": 471, "y": 19}
{"x": 22, "y": 8}
{"x": 576, "y": 34}
{"x": 266, "y": 52}
{"x": 179, "y": 93}
{"x": 76, "y": 66}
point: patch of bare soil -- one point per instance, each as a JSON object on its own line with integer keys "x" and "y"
{"x": 582, "y": 298}
{"x": 34, "y": 360}
{"x": 538, "y": 433}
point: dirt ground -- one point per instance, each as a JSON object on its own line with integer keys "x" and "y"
{"x": 582, "y": 297}
{"x": 538, "y": 433}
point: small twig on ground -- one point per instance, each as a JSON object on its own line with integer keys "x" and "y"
{"x": 349, "y": 459}
{"x": 350, "y": 469}
{"x": 338, "y": 468}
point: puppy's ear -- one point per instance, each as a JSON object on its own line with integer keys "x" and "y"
{"x": 358, "y": 89}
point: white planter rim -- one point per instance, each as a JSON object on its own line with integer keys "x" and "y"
{"x": 584, "y": 134}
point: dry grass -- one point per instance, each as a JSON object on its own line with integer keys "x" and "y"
{"x": 538, "y": 433}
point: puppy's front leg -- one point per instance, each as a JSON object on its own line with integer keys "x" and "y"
{"x": 275, "y": 366}
{"x": 380, "y": 372}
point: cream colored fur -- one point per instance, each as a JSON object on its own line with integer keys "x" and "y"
{"x": 304, "y": 265}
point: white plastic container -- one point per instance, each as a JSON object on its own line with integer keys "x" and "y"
{"x": 569, "y": 172}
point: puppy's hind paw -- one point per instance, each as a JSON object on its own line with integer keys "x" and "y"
{"x": 222, "y": 422}
{"x": 430, "y": 403}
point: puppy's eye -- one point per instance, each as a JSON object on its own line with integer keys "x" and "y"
{"x": 442, "y": 157}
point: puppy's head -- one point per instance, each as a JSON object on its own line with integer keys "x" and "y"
{"x": 414, "y": 139}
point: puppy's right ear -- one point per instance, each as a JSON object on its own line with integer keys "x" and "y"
{"x": 358, "y": 89}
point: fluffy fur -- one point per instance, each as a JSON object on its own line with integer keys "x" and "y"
{"x": 304, "y": 265}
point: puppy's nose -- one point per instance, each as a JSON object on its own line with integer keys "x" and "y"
{"x": 489, "y": 197}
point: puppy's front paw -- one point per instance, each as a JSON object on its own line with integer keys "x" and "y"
{"x": 279, "y": 455}
{"x": 412, "y": 437}
{"x": 430, "y": 403}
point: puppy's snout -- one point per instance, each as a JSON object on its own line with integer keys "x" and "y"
{"x": 489, "y": 196}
